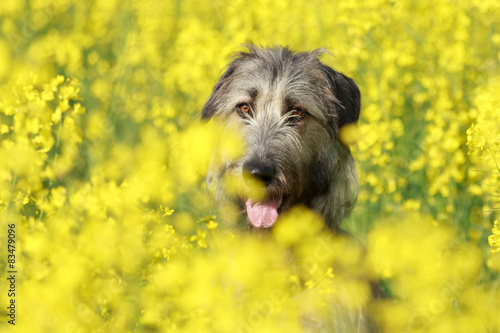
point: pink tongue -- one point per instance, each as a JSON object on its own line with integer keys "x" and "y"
{"x": 262, "y": 214}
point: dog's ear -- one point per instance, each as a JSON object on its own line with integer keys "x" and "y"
{"x": 219, "y": 89}
{"x": 347, "y": 94}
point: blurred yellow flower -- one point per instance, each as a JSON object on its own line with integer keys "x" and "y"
{"x": 494, "y": 239}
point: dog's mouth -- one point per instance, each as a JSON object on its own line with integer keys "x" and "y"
{"x": 263, "y": 214}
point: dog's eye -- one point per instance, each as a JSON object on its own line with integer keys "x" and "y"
{"x": 244, "y": 109}
{"x": 297, "y": 114}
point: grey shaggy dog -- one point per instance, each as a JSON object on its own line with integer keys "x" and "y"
{"x": 288, "y": 108}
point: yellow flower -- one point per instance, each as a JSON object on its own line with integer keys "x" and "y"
{"x": 494, "y": 239}
{"x": 200, "y": 238}
{"x": 211, "y": 225}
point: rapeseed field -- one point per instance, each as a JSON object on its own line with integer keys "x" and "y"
{"x": 106, "y": 224}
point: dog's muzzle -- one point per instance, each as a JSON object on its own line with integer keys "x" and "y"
{"x": 261, "y": 214}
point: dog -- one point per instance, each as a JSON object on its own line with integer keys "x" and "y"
{"x": 288, "y": 108}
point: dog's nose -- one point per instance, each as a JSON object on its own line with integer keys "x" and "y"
{"x": 260, "y": 171}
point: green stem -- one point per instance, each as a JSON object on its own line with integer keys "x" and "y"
{"x": 493, "y": 156}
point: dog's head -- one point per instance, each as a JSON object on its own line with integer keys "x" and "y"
{"x": 288, "y": 108}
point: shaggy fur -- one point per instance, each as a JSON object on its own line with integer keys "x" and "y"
{"x": 288, "y": 108}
